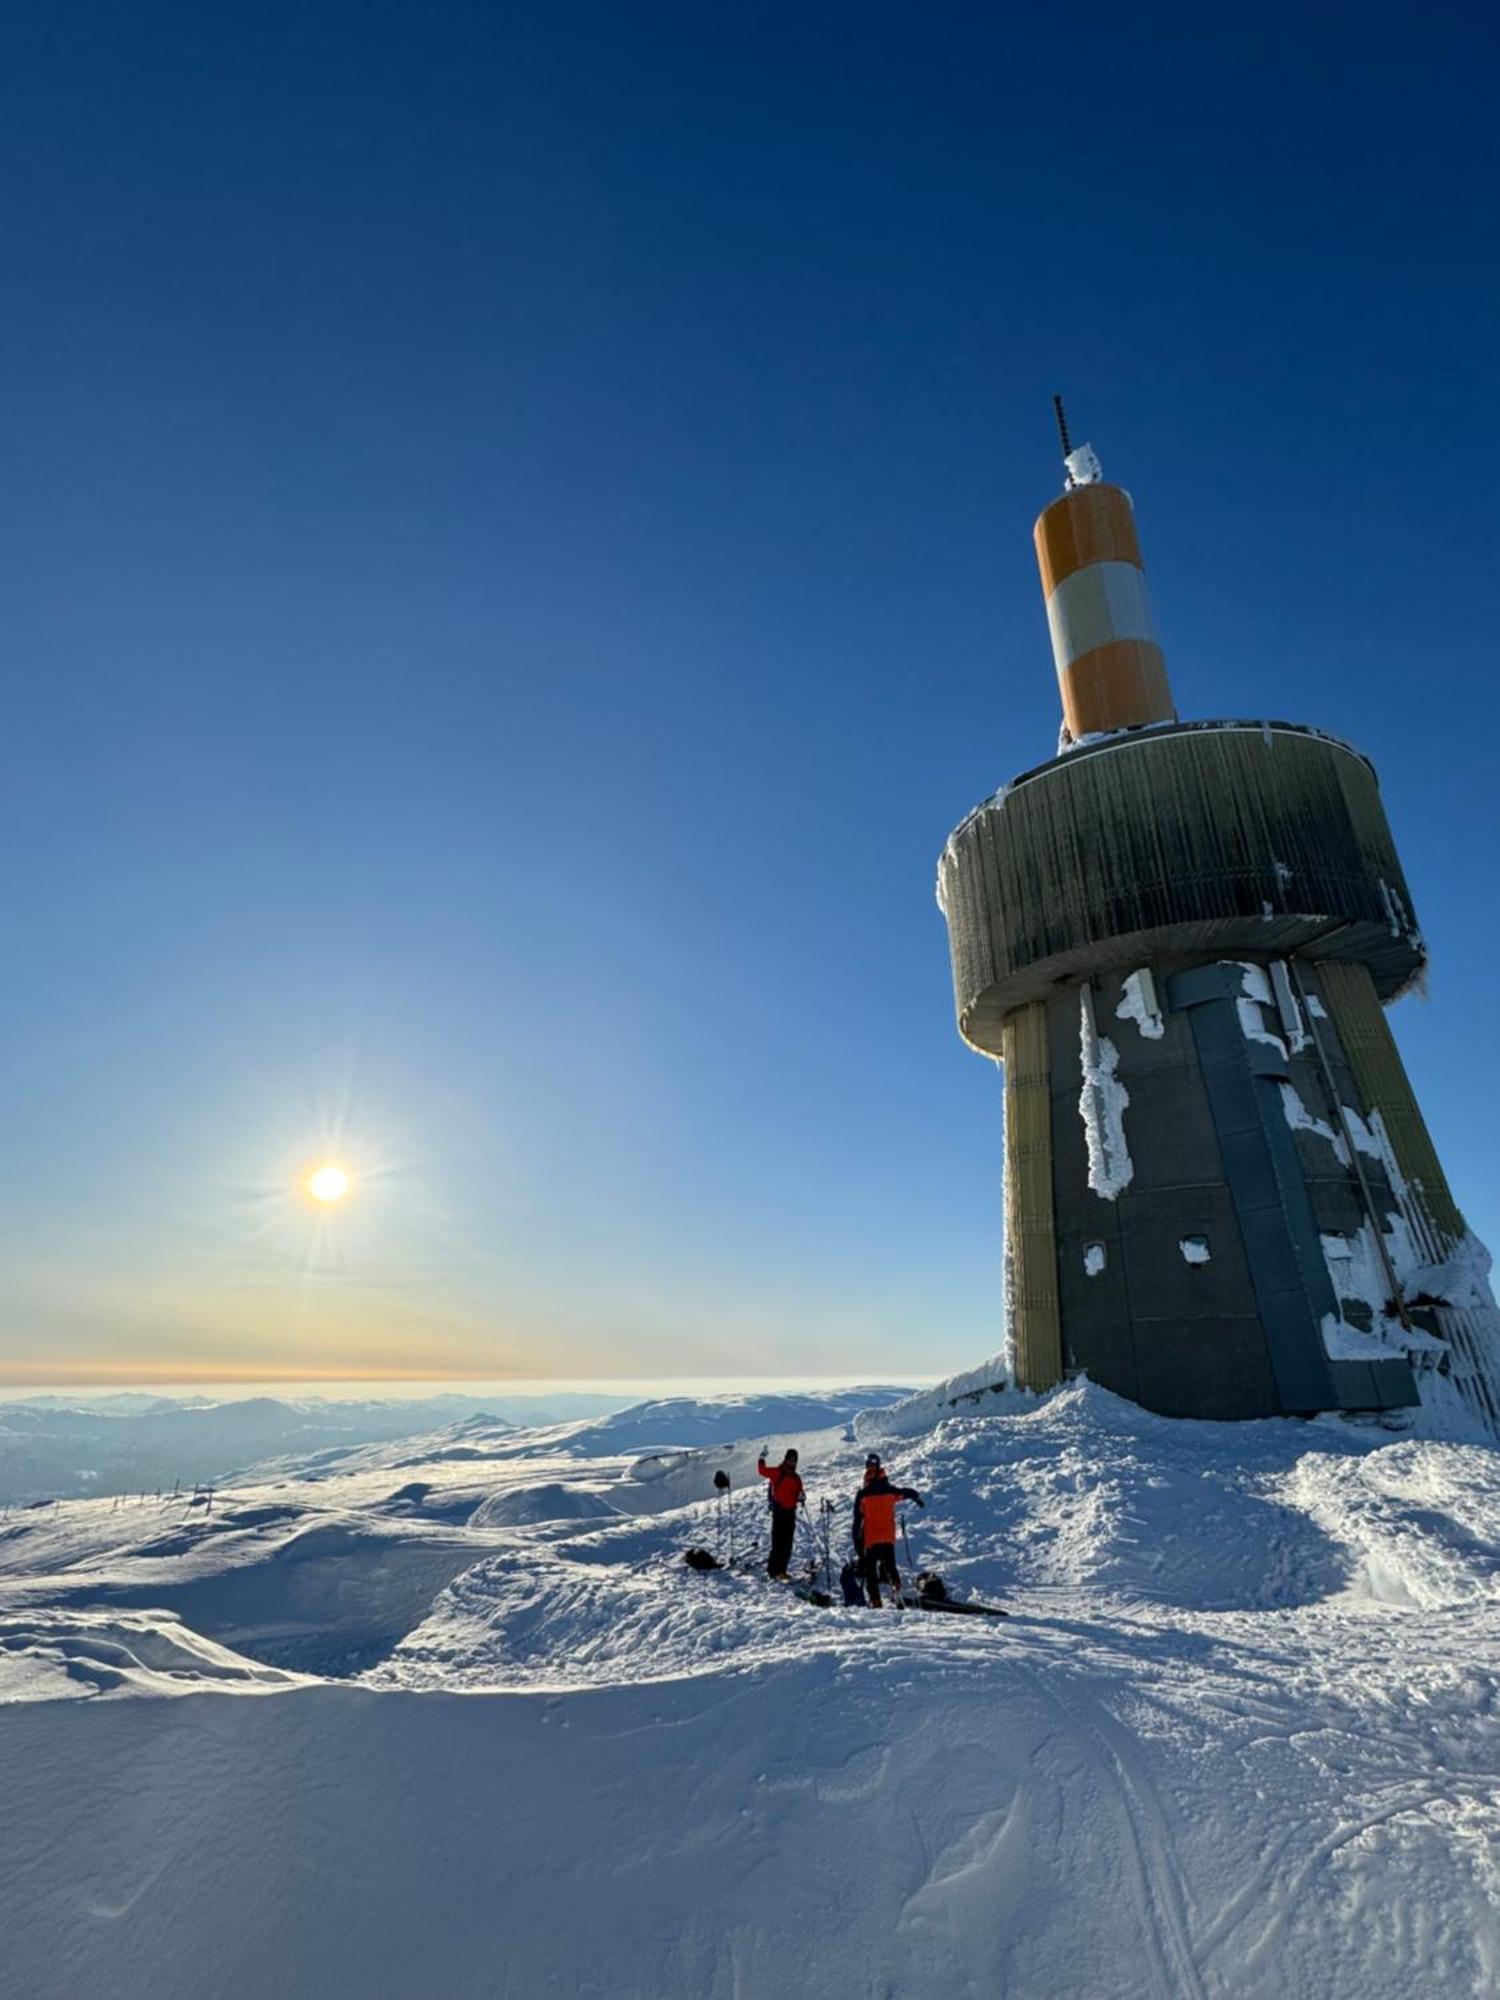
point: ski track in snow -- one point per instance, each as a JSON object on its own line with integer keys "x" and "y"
{"x": 476, "y": 1730}
{"x": 1160, "y": 1886}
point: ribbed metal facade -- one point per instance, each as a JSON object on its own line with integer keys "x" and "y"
{"x": 1174, "y": 844}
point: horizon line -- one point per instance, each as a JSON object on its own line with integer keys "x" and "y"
{"x": 35, "y": 1382}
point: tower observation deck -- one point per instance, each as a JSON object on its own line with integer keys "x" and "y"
{"x": 1180, "y": 939}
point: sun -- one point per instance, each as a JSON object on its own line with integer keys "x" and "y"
{"x": 328, "y": 1184}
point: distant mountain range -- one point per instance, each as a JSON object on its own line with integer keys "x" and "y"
{"x": 53, "y": 1447}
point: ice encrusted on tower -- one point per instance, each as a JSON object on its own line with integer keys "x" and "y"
{"x": 1138, "y": 1003}
{"x": 1102, "y": 1104}
{"x": 1395, "y": 1259}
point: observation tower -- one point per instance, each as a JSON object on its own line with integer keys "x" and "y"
{"x": 1181, "y": 939}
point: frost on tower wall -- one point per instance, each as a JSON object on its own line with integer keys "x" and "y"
{"x": 1221, "y": 1198}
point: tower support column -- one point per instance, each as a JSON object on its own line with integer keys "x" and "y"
{"x": 1030, "y": 1227}
{"x": 1461, "y": 1308}
{"x": 1385, "y": 1087}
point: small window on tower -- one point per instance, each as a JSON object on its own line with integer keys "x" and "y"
{"x": 1093, "y": 1259}
{"x": 1194, "y": 1249}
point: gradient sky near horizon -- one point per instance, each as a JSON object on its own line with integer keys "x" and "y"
{"x": 516, "y": 524}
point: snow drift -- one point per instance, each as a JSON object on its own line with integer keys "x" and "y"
{"x": 524, "y": 1506}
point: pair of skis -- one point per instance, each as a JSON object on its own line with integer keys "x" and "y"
{"x": 806, "y": 1588}
{"x": 962, "y": 1607}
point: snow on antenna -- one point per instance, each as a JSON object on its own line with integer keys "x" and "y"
{"x": 1081, "y": 465}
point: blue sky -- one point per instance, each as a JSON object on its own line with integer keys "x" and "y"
{"x": 517, "y": 546}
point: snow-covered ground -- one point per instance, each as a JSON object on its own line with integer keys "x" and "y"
{"x": 450, "y": 1716}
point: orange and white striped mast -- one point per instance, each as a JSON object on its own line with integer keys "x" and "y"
{"x": 1109, "y": 666}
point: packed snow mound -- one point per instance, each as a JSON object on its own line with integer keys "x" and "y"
{"x": 1082, "y": 1489}
{"x": 1418, "y": 1523}
{"x": 524, "y": 1506}
{"x": 1206, "y": 1514}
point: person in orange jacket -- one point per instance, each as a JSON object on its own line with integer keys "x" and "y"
{"x": 874, "y": 1529}
{"x": 785, "y": 1496}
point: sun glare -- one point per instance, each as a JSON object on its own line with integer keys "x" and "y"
{"x": 328, "y": 1184}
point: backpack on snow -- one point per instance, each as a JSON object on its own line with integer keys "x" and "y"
{"x": 852, "y": 1584}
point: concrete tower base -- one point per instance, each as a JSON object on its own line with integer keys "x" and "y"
{"x": 1211, "y": 1249}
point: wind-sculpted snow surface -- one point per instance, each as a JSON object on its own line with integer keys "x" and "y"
{"x": 528, "y": 1506}
{"x": 1239, "y": 1739}
{"x": 49, "y": 1654}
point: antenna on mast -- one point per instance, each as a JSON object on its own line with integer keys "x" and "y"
{"x": 1062, "y": 425}
{"x": 1081, "y": 465}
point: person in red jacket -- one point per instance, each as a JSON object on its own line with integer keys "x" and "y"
{"x": 785, "y": 1497}
{"x": 874, "y": 1529}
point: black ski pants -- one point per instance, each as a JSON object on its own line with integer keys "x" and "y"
{"x": 879, "y": 1566}
{"x": 783, "y": 1534}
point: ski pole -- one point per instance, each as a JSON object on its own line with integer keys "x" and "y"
{"x": 721, "y": 1493}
